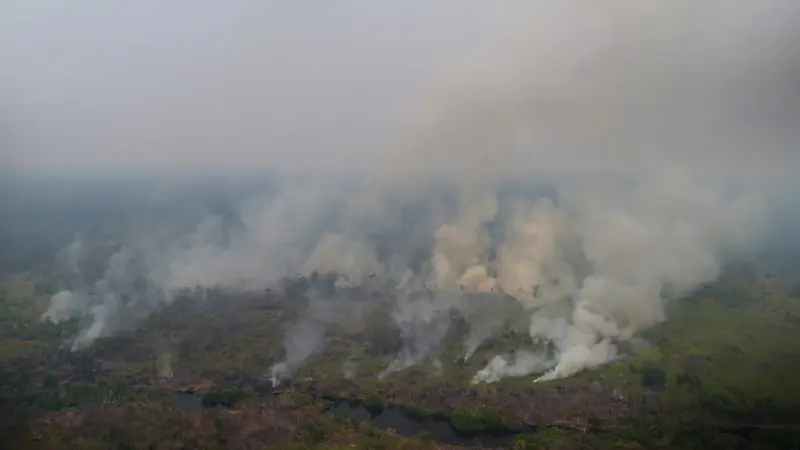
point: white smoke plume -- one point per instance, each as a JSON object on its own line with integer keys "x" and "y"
{"x": 484, "y": 314}
{"x": 62, "y": 307}
{"x": 308, "y": 335}
{"x": 300, "y": 342}
{"x": 423, "y": 318}
{"x": 165, "y": 367}
{"x": 638, "y": 92}
{"x": 349, "y": 369}
{"x": 522, "y": 363}
{"x": 655, "y": 123}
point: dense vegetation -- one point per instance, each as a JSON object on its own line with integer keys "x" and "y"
{"x": 721, "y": 373}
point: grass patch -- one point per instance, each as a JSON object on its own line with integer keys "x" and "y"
{"x": 480, "y": 419}
{"x": 541, "y": 439}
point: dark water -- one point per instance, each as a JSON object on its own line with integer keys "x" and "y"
{"x": 395, "y": 418}
{"x": 186, "y": 401}
{"x": 440, "y": 430}
{"x": 401, "y": 422}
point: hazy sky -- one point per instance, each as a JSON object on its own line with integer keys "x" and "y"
{"x": 97, "y": 85}
{"x": 106, "y": 86}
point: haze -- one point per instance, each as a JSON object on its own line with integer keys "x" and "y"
{"x": 396, "y": 195}
{"x": 202, "y": 85}
{"x": 97, "y": 87}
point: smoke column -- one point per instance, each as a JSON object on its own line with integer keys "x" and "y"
{"x": 655, "y": 124}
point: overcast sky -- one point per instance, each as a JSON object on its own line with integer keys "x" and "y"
{"x": 105, "y": 86}
{"x": 97, "y": 85}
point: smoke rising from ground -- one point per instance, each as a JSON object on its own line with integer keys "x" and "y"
{"x": 655, "y": 124}
{"x": 308, "y": 335}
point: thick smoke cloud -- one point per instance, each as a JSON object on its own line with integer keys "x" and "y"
{"x": 654, "y": 123}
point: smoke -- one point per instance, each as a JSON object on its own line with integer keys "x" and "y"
{"x": 128, "y": 289}
{"x": 520, "y": 364}
{"x": 164, "y": 361}
{"x": 484, "y": 315}
{"x": 302, "y": 340}
{"x": 62, "y": 307}
{"x": 643, "y": 93}
{"x": 655, "y": 125}
{"x": 423, "y": 318}
{"x": 349, "y": 369}
{"x": 273, "y": 239}
{"x": 268, "y": 238}
{"x": 326, "y": 309}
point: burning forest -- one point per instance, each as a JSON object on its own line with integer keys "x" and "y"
{"x": 576, "y": 191}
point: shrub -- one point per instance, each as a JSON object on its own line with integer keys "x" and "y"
{"x": 479, "y": 419}
{"x": 654, "y": 378}
{"x": 223, "y": 397}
